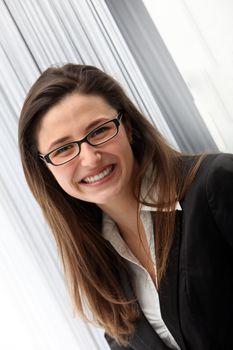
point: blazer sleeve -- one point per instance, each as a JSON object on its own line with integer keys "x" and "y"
{"x": 113, "y": 344}
{"x": 220, "y": 194}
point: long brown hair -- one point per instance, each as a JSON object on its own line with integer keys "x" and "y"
{"x": 92, "y": 267}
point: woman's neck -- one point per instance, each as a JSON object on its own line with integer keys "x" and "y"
{"x": 123, "y": 212}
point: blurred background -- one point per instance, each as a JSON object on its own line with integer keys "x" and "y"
{"x": 174, "y": 59}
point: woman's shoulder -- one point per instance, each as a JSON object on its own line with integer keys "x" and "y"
{"x": 213, "y": 189}
{"x": 219, "y": 190}
{"x": 216, "y": 172}
{"x": 213, "y": 180}
{"x": 220, "y": 168}
{"x": 214, "y": 167}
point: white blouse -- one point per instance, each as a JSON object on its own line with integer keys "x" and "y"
{"x": 143, "y": 285}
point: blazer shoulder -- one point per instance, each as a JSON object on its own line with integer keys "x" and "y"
{"x": 221, "y": 172}
{"x": 213, "y": 167}
{"x": 212, "y": 180}
{"x": 219, "y": 191}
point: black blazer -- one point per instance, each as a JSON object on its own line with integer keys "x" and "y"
{"x": 196, "y": 297}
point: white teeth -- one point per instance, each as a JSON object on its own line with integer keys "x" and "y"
{"x": 92, "y": 179}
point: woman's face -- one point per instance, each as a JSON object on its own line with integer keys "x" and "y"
{"x": 99, "y": 174}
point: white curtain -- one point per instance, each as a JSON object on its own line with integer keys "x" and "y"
{"x": 198, "y": 35}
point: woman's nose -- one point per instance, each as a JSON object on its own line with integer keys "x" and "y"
{"x": 89, "y": 155}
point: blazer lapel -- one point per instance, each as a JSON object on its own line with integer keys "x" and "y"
{"x": 168, "y": 292}
{"x": 144, "y": 338}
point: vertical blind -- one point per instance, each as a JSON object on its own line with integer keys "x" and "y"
{"x": 162, "y": 76}
{"x": 35, "y": 34}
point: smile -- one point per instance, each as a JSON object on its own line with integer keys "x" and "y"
{"x": 98, "y": 177}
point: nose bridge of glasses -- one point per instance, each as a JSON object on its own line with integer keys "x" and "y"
{"x": 89, "y": 154}
{"x": 84, "y": 140}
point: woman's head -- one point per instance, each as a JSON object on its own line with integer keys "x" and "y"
{"x": 67, "y": 102}
{"x": 99, "y": 168}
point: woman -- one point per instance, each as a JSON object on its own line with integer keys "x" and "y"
{"x": 144, "y": 232}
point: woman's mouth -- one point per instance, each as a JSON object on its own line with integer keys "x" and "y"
{"x": 98, "y": 177}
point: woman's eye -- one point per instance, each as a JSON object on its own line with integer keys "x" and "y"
{"x": 63, "y": 150}
{"x": 99, "y": 131}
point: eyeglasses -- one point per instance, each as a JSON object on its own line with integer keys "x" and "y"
{"x": 103, "y": 133}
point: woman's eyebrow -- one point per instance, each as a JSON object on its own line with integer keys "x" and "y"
{"x": 95, "y": 123}
{"x": 61, "y": 140}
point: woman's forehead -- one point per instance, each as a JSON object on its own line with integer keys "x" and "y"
{"x": 75, "y": 114}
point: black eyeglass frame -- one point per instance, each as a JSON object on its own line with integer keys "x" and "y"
{"x": 117, "y": 122}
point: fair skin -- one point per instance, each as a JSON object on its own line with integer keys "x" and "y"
{"x": 71, "y": 119}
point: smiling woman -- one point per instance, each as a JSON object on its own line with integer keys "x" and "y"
{"x": 142, "y": 229}
{"x": 97, "y": 168}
